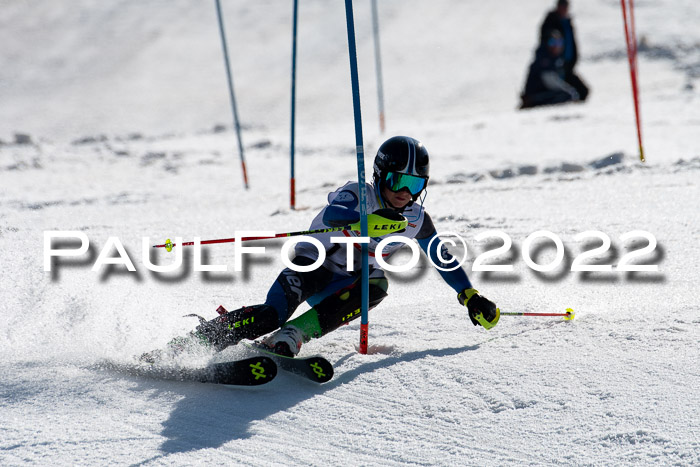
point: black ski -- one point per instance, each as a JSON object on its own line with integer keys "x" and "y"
{"x": 316, "y": 368}
{"x": 251, "y": 371}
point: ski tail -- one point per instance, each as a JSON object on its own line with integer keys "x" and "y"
{"x": 252, "y": 371}
{"x": 247, "y": 372}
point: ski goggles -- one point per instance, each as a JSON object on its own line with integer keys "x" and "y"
{"x": 397, "y": 181}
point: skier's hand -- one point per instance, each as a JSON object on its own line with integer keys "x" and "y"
{"x": 482, "y": 311}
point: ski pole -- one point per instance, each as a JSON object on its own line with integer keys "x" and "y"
{"x": 168, "y": 245}
{"x": 568, "y": 316}
{"x": 378, "y": 226}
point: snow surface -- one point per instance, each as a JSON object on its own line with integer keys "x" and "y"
{"x": 121, "y": 101}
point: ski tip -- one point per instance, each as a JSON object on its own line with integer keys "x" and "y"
{"x": 569, "y": 314}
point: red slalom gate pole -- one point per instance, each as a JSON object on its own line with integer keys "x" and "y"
{"x": 631, "y": 39}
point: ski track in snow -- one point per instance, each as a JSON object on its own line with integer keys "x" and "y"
{"x": 616, "y": 386}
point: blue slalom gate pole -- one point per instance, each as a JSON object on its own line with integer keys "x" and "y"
{"x": 229, "y": 77}
{"x": 378, "y": 64}
{"x": 292, "y": 196}
{"x": 359, "y": 146}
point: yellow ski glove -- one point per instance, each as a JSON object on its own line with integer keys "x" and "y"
{"x": 482, "y": 311}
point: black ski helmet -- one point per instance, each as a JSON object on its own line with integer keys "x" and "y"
{"x": 401, "y": 154}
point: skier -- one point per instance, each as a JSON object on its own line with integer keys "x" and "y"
{"x": 559, "y": 20}
{"x": 401, "y": 170}
{"x": 546, "y": 80}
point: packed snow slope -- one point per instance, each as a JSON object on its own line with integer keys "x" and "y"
{"x": 116, "y": 123}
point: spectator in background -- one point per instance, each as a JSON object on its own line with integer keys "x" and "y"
{"x": 546, "y": 84}
{"x": 559, "y": 20}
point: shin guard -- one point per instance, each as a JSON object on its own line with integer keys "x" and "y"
{"x": 339, "y": 308}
